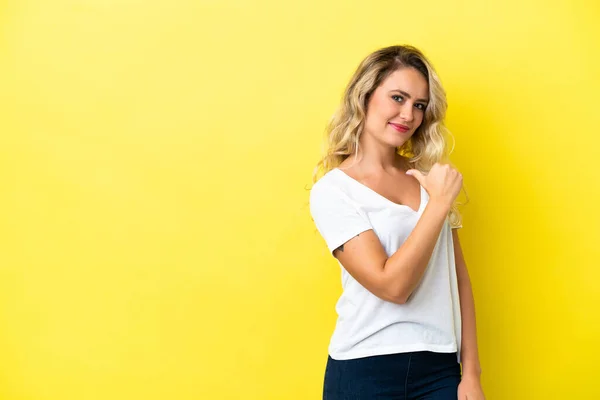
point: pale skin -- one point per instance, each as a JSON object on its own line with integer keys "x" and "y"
{"x": 401, "y": 99}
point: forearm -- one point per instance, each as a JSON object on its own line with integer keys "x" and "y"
{"x": 469, "y": 351}
{"x": 405, "y": 268}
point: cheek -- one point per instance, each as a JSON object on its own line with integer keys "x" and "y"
{"x": 380, "y": 110}
{"x": 372, "y": 113}
{"x": 419, "y": 117}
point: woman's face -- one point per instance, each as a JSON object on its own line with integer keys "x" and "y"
{"x": 396, "y": 108}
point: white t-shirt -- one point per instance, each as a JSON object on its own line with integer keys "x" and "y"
{"x": 430, "y": 320}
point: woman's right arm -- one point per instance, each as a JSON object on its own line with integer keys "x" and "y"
{"x": 395, "y": 278}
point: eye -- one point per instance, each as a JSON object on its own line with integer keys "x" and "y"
{"x": 397, "y": 98}
{"x": 420, "y": 106}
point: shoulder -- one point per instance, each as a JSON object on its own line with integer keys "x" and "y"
{"x": 328, "y": 192}
{"x": 328, "y": 184}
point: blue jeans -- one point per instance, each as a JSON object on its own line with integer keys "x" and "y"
{"x": 421, "y": 375}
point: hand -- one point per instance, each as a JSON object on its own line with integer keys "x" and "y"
{"x": 469, "y": 388}
{"x": 443, "y": 183}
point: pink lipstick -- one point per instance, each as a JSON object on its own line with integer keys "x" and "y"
{"x": 400, "y": 128}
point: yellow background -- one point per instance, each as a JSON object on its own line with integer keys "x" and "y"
{"x": 155, "y": 236}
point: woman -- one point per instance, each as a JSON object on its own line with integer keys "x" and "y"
{"x": 385, "y": 207}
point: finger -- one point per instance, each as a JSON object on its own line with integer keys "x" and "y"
{"x": 416, "y": 173}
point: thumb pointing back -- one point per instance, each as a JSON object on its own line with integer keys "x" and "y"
{"x": 417, "y": 174}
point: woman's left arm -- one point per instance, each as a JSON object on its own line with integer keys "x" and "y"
{"x": 470, "y": 386}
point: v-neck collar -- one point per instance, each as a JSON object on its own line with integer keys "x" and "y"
{"x": 421, "y": 193}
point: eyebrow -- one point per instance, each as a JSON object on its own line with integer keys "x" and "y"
{"x": 408, "y": 95}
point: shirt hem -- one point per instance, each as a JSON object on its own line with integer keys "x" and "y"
{"x": 391, "y": 350}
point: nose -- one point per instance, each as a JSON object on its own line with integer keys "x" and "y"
{"x": 406, "y": 112}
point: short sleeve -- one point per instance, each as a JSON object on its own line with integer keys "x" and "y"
{"x": 335, "y": 217}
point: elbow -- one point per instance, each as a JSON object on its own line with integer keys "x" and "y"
{"x": 396, "y": 288}
{"x": 398, "y": 296}
{"x": 394, "y": 291}
{"x": 399, "y": 299}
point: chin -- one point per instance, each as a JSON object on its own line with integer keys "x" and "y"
{"x": 397, "y": 142}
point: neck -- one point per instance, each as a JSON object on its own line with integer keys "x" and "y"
{"x": 373, "y": 155}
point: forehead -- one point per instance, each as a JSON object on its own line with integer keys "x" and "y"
{"x": 408, "y": 80}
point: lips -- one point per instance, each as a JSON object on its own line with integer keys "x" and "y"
{"x": 400, "y": 127}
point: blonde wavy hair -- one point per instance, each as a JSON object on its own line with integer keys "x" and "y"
{"x": 427, "y": 145}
